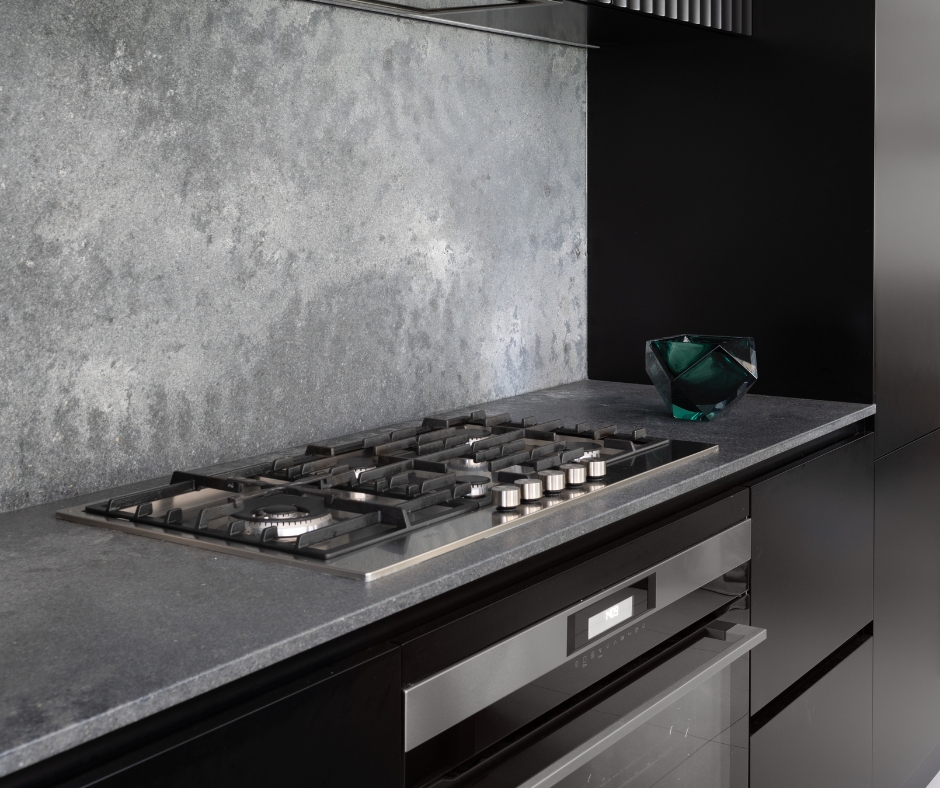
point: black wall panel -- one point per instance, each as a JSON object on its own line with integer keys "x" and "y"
{"x": 907, "y": 609}
{"x": 730, "y": 191}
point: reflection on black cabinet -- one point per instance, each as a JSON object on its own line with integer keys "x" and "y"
{"x": 907, "y": 609}
{"x": 811, "y": 571}
{"x": 823, "y": 739}
{"x": 907, "y": 236}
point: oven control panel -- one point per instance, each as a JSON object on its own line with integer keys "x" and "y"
{"x": 612, "y": 611}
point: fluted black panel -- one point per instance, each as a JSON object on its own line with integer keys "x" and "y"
{"x": 732, "y": 16}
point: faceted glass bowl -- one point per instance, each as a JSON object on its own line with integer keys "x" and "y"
{"x": 700, "y": 376}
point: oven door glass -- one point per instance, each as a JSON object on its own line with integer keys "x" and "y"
{"x": 698, "y": 742}
{"x": 682, "y": 723}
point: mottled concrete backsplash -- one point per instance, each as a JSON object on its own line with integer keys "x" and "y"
{"x": 229, "y": 226}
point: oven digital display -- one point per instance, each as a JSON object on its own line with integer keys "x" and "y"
{"x": 610, "y": 617}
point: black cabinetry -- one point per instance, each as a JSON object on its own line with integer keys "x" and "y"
{"x": 812, "y": 589}
{"x": 811, "y": 570}
{"x": 907, "y": 382}
{"x": 907, "y": 610}
{"x": 342, "y": 729}
{"x": 823, "y": 739}
{"x": 337, "y": 726}
{"x": 907, "y": 237}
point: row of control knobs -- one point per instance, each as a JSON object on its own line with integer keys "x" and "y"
{"x": 550, "y": 482}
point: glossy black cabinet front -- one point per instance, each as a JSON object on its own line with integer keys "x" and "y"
{"x": 907, "y": 235}
{"x": 341, "y": 727}
{"x": 907, "y": 610}
{"x": 811, "y": 571}
{"x": 823, "y": 739}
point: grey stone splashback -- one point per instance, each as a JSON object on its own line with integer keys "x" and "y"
{"x": 232, "y": 226}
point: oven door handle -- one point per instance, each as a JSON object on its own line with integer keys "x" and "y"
{"x": 741, "y": 640}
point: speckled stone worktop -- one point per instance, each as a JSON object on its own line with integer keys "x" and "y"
{"x": 99, "y": 629}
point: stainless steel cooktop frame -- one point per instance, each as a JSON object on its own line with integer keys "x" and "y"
{"x": 386, "y": 558}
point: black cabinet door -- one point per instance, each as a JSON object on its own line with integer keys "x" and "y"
{"x": 343, "y": 730}
{"x": 907, "y": 609}
{"x": 811, "y": 566}
{"x": 823, "y": 739}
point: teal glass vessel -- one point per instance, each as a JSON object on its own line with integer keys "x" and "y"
{"x": 700, "y": 376}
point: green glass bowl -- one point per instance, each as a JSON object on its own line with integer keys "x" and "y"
{"x": 700, "y": 376}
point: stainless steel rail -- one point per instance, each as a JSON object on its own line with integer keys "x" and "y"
{"x": 460, "y": 691}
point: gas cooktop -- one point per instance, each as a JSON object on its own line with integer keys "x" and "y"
{"x": 366, "y": 505}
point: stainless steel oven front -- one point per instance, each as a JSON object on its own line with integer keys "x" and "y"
{"x": 644, "y": 683}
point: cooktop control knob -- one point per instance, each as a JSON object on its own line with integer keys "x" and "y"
{"x": 531, "y": 489}
{"x": 505, "y": 496}
{"x": 575, "y": 474}
{"x": 553, "y": 481}
{"x": 596, "y": 468}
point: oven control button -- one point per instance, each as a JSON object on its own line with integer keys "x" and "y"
{"x": 505, "y": 496}
{"x": 596, "y": 469}
{"x": 531, "y": 489}
{"x": 575, "y": 474}
{"x": 553, "y": 481}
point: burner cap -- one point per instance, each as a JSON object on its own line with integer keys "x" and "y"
{"x": 281, "y": 512}
{"x": 293, "y": 515}
{"x": 591, "y": 450}
{"x": 477, "y": 485}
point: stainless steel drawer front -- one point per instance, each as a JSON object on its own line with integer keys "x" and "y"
{"x": 460, "y": 691}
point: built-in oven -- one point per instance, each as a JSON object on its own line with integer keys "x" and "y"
{"x": 641, "y": 683}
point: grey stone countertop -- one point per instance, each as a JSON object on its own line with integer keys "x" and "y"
{"x": 99, "y": 629}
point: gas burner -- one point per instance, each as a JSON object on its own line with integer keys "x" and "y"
{"x": 477, "y": 485}
{"x": 466, "y": 464}
{"x": 290, "y": 514}
{"x": 360, "y": 464}
{"x": 591, "y": 450}
{"x": 475, "y": 434}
